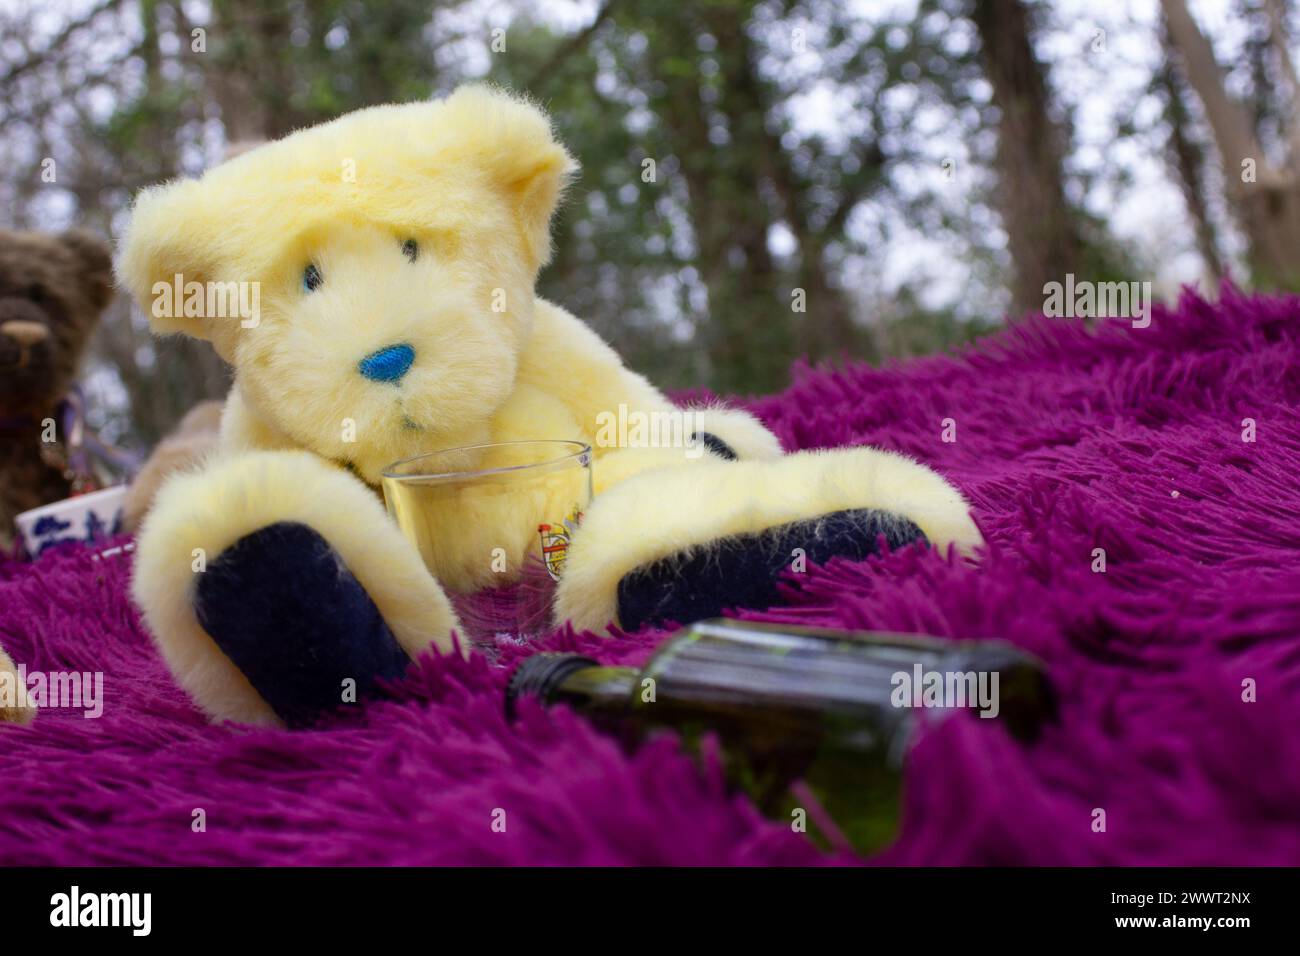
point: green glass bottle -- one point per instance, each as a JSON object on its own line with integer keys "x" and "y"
{"x": 810, "y": 720}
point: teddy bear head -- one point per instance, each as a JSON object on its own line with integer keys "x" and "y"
{"x": 371, "y": 279}
{"x": 52, "y": 291}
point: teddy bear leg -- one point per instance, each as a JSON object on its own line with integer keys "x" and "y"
{"x": 690, "y": 541}
{"x": 274, "y": 584}
{"x": 301, "y": 638}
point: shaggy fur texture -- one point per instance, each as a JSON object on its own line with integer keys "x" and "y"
{"x": 1067, "y": 441}
{"x": 397, "y": 317}
{"x": 52, "y": 291}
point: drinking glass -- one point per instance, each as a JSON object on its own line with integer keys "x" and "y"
{"x": 492, "y": 523}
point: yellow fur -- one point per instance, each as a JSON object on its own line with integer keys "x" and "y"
{"x": 473, "y": 180}
{"x": 716, "y": 499}
{"x": 18, "y": 714}
{"x": 478, "y": 171}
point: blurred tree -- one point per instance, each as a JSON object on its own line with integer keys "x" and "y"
{"x": 742, "y": 158}
{"x": 1187, "y": 159}
{"x": 702, "y": 178}
{"x": 1263, "y": 191}
{"x": 1042, "y": 227}
{"x": 732, "y": 217}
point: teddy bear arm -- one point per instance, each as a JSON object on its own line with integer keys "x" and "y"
{"x": 242, "y": 429}
{"x": 570, "y": 361}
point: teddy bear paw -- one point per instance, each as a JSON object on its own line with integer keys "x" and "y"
{"x": 744, "y": 570}
{"x": 301, "y": 577}
{"x": 303, "y": 639}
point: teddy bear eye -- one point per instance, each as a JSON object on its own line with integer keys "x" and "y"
{"x": 411, "y": 249}
{"x": 311, "y": 278}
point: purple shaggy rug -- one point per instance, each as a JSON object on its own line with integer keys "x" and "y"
{"x": 1067, "y": 440}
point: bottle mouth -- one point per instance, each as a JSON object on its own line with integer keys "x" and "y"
{"x": 541, "y": 675}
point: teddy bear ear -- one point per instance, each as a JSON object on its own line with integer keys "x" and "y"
{"x": 165, "y": 239}
{"x": 94, "y": 265}
{"x": 515, "y": 142}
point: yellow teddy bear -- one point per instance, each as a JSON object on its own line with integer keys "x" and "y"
{"x": 380, "y": 270}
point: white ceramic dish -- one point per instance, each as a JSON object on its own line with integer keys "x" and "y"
{"x": 96, "y": 516}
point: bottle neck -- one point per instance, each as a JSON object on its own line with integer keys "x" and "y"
{"x": 597, "y": 690}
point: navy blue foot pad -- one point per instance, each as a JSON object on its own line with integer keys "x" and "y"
{"x": 284, "y": 608}
{"x": 743, "y": 570}
{"x": 716, "y": 445}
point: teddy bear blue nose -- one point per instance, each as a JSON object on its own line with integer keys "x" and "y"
{"x": 388, "y": 364}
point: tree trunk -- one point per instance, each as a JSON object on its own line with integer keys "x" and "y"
{"x": 826, "y": 329}
{"x": 737, "y": 191}
{"x": 1264, "y": 198}
{"x": 1041, "y": 226}
{"x": 749, "y": 331}
{"x": 1187, "y": 159}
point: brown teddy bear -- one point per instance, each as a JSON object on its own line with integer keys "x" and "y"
{"x": 53, "y": 289}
